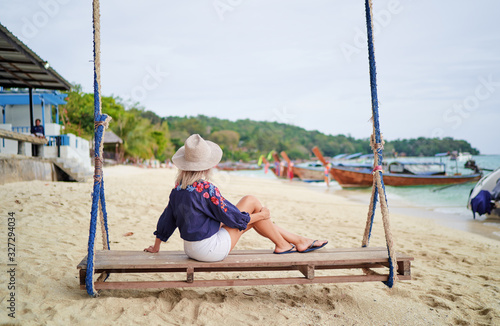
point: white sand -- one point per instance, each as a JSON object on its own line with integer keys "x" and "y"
{"x": 456, "y": 275}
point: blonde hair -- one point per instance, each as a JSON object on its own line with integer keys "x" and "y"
{"x": 186, "y": 178}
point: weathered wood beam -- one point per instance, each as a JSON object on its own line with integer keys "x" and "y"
{"x": 5, "y": 134}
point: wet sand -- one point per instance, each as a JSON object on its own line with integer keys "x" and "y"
{"x": 486, "y": 226}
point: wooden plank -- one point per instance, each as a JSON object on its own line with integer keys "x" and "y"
{"x": 307, "y": 271}
{"x": 83, "y": 274}
{"x": 241, "y": 282}
{"x": 6, "y": 134}
{"x": 130, "y": 260}
{"x": 404, "y": 268}
{"x": 102, "y": 277}
{"x": 119, "y": 254}
{"x": 108, "y": 262}
{"x": 236, "y": 269}
{"x": 190, "y": 274}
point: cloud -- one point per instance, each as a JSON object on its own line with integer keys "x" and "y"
{"x": 267, "y": 55}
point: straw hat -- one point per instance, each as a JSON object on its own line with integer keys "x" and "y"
{"x": 197, "y": 154}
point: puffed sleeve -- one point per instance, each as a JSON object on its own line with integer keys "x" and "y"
{"x": 225, "y": 212}
{"x": 166, "y": 224}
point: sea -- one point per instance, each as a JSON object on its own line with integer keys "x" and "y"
{"x": 446, "y": 205}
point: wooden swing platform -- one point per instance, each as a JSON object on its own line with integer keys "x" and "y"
{"x": 113, "y": 261}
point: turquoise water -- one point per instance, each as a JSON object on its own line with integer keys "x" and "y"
{"x": 447, "y": 200}
{"x": 445, "y": 205}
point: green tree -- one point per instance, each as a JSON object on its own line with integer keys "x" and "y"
{"x": 227, "y": 138}
{"x": 77, "y": 115}
{"x": 143, "y": 133}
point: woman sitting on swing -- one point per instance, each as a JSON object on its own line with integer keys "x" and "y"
{"x": 209, "y": 224}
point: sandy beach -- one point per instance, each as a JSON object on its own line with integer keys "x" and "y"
{"x": 456, "y": 274}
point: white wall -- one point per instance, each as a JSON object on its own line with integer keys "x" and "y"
{"x": 7, "y": 146}
{"x": 78, "y": 149}
{"x": 52, "y": 129}
{"x": 19, "y": 115}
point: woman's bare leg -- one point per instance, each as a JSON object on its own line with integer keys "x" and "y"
{"x": 301, "y": 242}
{"x": 252, "y": 205}
{"x": 265, "y": 228}
{"x": 248, "y": 203}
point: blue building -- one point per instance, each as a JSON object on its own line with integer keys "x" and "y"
{"x": 29, "y": 90}
{"x": 15, "y": 108}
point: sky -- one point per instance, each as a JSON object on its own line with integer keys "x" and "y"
{"x": 292, "y": 61}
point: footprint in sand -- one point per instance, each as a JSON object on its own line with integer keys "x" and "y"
{"x": 448, "y": 296}
{"x": 434, "y": 302}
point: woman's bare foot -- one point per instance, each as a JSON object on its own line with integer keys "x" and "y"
{"x": 309, "y": 244}
{"x": 152, "y": 249}
{"x": 287, "y": 250}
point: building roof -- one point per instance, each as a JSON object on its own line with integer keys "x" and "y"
{"x": 21, "y": 67}
{"x": 22, "y": 98}
{"x": 111, "y": 138}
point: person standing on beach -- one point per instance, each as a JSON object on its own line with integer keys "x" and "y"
{"x": 208, "y": 223}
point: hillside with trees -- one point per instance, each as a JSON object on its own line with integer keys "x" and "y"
{"x": 144, "y": 134}
{"x": 147, "y": 135}
{"x": 259, "y": 137}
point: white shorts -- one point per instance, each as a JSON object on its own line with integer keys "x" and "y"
{"x": 215, "y": 248}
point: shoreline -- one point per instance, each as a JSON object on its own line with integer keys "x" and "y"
{"x": 482, "y": 225}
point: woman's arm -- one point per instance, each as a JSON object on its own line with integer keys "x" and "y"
{"x": 264, "y": 214}
{"x": 154, "y": 248}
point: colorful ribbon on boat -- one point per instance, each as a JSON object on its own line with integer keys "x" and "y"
{"x": 290, "y": 171}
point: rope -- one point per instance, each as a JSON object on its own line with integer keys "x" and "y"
{"x": 101, "y": 122}
{"x": 103, "y": 215}
{"x": 371, "y": 215}
{"x": 377, "y": 145}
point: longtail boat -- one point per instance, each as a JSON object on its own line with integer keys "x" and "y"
{"x": 310, "y": 171}
{"x": 237, "y": 166}
{"x": 282, "y": 170}
{"x": 280, "y": 167}
{"x": 399, "y": 174}
{"x": 327, "y": 165}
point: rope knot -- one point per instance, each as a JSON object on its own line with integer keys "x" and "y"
{"x": 98, "y": 169}
{"x": 103, "y": 120}
{"x": 376, "y": 146}
{"x": 377, "y": 168}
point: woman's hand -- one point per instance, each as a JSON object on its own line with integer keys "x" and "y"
{"x": 266, "y": 214}
{"x": 152, "y": 249}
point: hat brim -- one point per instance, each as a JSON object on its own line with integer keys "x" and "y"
{"x": 211, "y": 161}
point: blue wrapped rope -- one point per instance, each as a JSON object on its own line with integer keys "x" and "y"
{"x": 104, "y": 212}
{"x": 97, "y": 196}
{"x": 376, "y": 127}
{"x": 98, "y": 188}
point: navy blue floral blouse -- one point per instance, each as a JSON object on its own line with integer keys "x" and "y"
{"x": 198, "y": 212}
